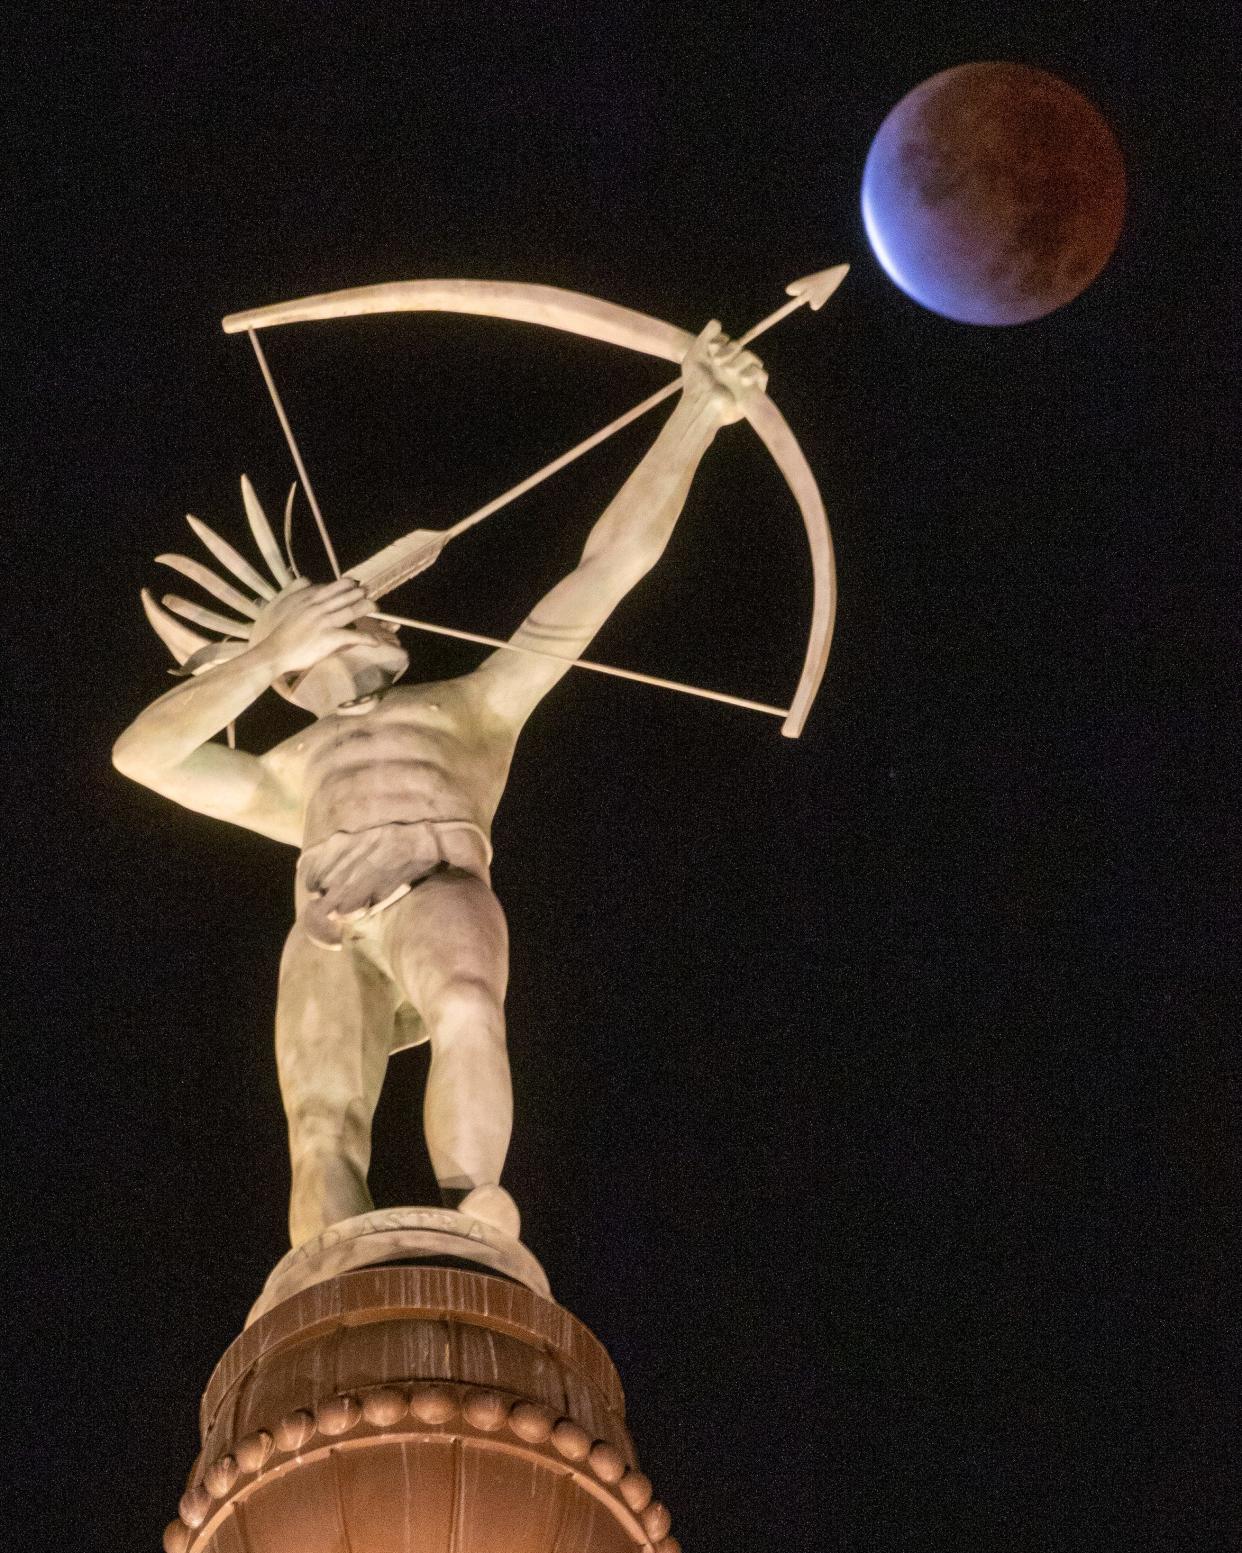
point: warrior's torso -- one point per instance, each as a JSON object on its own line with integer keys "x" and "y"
{"x": 414, "y": 753}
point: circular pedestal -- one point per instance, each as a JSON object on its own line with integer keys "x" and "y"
{"x": 396, "y": 1409}
{"x": 399, "y": 1235}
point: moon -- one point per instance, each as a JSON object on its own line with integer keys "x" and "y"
{"x": 993, "y": 193}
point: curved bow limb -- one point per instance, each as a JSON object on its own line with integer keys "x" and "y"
{"x": 773, "y": 431}
{"x": 518, "y": 301}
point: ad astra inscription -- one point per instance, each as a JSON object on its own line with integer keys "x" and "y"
{"x": 386, "y": 1218}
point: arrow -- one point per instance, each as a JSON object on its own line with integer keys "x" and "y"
{"x": 813, "y": 290}
{"x": 421, "y": 548}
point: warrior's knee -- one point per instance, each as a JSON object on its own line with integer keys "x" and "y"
{"x": 466, "y": 1009}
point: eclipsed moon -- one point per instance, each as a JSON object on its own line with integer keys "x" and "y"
{"x": 993, "y": 193}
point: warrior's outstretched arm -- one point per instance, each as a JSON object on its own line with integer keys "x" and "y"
{"x": 630, "y": 536}
{"x": 168, "y": 745}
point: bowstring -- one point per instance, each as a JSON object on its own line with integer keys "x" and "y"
{"x": 297, "y": 456}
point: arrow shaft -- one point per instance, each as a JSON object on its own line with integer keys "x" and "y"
{"x": 771, "y": 320}
{"x": 577, "y": 451}
{"x": 605, "y": 432}
{"x": 584, "y": 663}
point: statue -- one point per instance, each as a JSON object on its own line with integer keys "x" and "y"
{"x": 390, "y": 794}
{"x": 389, "y": 1388}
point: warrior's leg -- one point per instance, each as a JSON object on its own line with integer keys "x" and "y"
{"x": 334, "y": 1021}
{"x": 449, "y": 947}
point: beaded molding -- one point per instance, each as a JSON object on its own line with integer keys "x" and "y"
{"x": 469, "y": 1412}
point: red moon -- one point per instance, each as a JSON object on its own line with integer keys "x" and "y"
{"x": 993, "y": 193}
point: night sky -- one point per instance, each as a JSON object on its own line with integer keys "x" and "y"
{"x": 870, "y": 1087}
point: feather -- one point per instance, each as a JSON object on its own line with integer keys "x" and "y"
{"x": 293, "y": 565}
{"x": 263, "y": 536}
{"x": 207, "y": 618}
{"x": 207, "y": 579}
{"x": 228, "y": 557}
{"x": 179, "y": 639}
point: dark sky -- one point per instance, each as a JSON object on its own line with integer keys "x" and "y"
{"x": 870, "y": 1088}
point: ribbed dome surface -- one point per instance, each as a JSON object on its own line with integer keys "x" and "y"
{"x": 417, "y": 1410}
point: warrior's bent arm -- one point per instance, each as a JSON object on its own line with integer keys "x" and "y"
{"x": 168, "y": 747}
{"x": 630, "y": 536}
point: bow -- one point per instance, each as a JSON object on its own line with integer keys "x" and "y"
{"x": 576, "y": 313}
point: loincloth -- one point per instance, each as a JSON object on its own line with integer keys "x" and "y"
{"x": 352, "y": 875}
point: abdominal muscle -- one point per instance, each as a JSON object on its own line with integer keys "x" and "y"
{"x": 389, "y": 801}
{"x": 403, "y": 761}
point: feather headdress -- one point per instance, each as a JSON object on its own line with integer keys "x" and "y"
{"x": 195, "y": 653}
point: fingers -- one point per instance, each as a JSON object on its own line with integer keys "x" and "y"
{"x": 345, "y": 611}
{"x": 714, "y": 347}
{"x": 741, "y": 363}
{"x": 732, "y": 354}
{"x": 328, "y": 611}
{"x": 343, "y": 587}
{"x": 750, "y": 372}
{"x": 340, "y": 637}
{"x": 732, "y": 372}
{"x": 340, "y": 602}
{"x": 722, "y": 351}
{"x": 303, "y": 597}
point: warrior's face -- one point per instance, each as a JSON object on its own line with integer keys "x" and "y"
{"x": 379, "y": 660}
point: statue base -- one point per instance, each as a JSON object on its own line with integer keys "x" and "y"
{"x": 384, "y": 1409}
{"x": 412, "y": 1235}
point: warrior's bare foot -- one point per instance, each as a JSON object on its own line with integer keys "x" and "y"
{"x": 494, "y": 1206}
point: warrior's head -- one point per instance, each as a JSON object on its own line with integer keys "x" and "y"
{"x": 375, "y": 662}
{"x": 379, "y": 660}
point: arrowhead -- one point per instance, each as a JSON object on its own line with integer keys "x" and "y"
{"x": 817, "y": 288}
